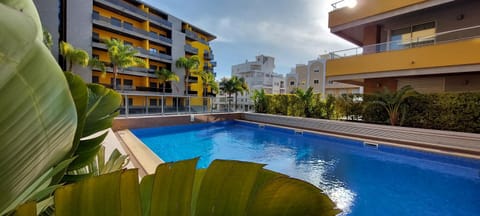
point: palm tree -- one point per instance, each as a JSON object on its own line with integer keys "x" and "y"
{"x": 73, "y": 55}
{"x": 189, "y": 64}
{"x": 121, "y": 56}
{"x": 306, "y": 99}
{"x": 165, "y": 75}
{"x": 393, "y": 102}
{"x": 228, "y": 89}
{"x": 239, "y": 85}
{"x": 208, "y": 80}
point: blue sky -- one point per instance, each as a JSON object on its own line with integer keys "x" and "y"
{"x": 292, "y": 31}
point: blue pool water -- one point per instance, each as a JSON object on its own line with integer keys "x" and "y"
{"x": 361, "y": 180}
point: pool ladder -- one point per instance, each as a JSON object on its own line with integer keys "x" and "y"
{"x": 370, "y": 145}
{"x": 298, "y": 132}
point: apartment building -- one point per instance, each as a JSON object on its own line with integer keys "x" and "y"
{"x": 159, "y": 37}
{"x": 432, "y": 45}
{"x": 258, "y": 74}
{"x": 312, "y": 74}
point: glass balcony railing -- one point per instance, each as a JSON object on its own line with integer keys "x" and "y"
{"x": 155, "y": 54}
{"x": 159, "y": 37}
{"x": 128, "y": 7}
{"x": 208, "y": 55}
{"x": 194, "y": 36}
{"x": 105, "y": 21}
{"x": 160, "y": 20}
{"x": 190, "y": 49}
{"x": 438, "y": 38}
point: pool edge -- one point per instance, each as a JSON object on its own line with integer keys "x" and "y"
{"x": 141, "y": 156}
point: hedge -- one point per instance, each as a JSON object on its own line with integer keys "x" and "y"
{"x": 442, "y": 111}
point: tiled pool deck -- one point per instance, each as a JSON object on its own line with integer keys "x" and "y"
{"x": 443, "y": 142}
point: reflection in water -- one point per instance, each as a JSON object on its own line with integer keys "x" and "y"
{"x": 316, "y": 171}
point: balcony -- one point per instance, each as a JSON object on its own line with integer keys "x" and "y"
{"x": 214, "y": 63}
{"x": 160, "y": 21}
{"x": 396, "y": 56}
{"x": 369, "y": 8}
{"x": 160, "y": 38}
{"x": 125, "y": 7}
{"x": 152, "y": 89}
{"x": 119, "y": 26}
{"x": 192, "y": 79}
{"x": 190, "y": 49}
{"x": 155, "y": 55}
{"x": 194, "y": 36}
{"x": 208, "y": 55}
{"x": 192, "y": 92}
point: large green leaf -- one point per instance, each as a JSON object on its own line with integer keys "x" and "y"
{"x": 224, "y": 188}
{"x": 38, "y": 117}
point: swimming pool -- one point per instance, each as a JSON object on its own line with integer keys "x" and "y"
{"x": 361, "y": 179}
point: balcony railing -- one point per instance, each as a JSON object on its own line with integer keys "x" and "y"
{"x": 129, "y": 7}
{"x": 438, "y": 38}
{"x": 190, "y": 49}
{"x": 159, "y": 37}
{"x": 195, "y": 36}
{"x": 208, "y": 55}
{"x": 112, "y": 23}
{"x": 214, "y": 63}
{"x": 154, "y": 54}
{"x": 192, "y": 79}
{"x": 160, "y": 20}
{"x": 153, "y": 89}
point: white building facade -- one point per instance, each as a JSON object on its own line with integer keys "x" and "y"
{"x": 258, "y": 74}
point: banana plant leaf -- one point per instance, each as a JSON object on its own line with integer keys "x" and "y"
{"x": 38, "y": 117}
{"x": 224, "y": 188}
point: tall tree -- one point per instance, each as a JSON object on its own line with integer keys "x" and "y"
{"x": 73, "y": 55}
{"x": 189, "y": 64}
{"x": 393, "y": 102}
{"x": 79, "y": 56}
{"x": 208, "y": 80}
{"x": 164, "y": 75}
{"x": 228, "y": 89}
{"x": 239, "y": 86}
{"x": 121, "y": 56}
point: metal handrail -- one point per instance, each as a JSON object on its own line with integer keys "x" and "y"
{"x": 400, "y": 45}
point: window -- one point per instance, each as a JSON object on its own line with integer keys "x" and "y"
{"x": 412, "y": 36}
{"x": 95, "y": 37}
{"x": 127, "y": 25}
{"x": 153, "y": 85}
{"x": 128, "y": 43}
{"x": 94, "y": 79}
{"x": 118, "y": 82}
{"x": 116, "y": 22}
{"x": 153, "y": 102}
{"x": 153, "y": 67}
{"x": 316, "y": 70}
{"x": 96, "y": 15}
{"x": 130, "y": 101}
{"x": 153, "y": 50}
{"x": 292, "y": 83}
{"x": 316, "y": 82}
{"x": 330, "y": 82}
{"x": 127, "y": 83}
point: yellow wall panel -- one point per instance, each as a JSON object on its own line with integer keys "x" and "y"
{"x": 109, "y": 14}
{"x": 448, "y": 54}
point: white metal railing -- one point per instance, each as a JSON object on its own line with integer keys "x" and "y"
{"x": 405, "y": 44}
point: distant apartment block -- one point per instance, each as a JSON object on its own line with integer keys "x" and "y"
{"x": 159, "y": 37}
{"x": 432, "y": 45}
{"x": 258, "y": 74}
{"x": 312, "y": 74}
